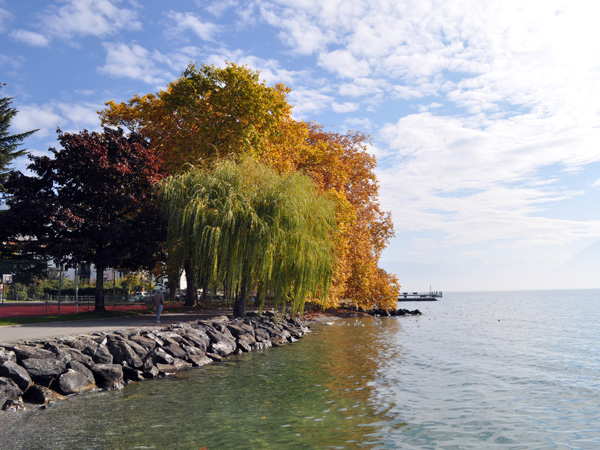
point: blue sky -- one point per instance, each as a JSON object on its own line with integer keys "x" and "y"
{"x": 484, "y": 115}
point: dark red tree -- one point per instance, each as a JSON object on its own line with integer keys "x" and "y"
{"x": 93, "y": 202}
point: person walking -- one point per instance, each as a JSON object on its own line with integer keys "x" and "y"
{"x": 159, "y": 301}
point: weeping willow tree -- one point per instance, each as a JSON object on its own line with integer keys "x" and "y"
{"x": 243, "y": 226}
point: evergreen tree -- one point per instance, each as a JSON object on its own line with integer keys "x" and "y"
{"x": 9, "y": 143}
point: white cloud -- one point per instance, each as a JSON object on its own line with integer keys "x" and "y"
{"x": 217, "y": 8}
{"x": 135, "y": 62}
{"x": 309, "y": 101}
{"x": 5, "y": 16}
{"x": 99, "y": 18}
{"x": 345, "y": 107}
{"x": 33, "y": 117}
{"x": 50, "y": 116}
{"x": 188, "y": 22}
{"x": 475, "y": 179}
{"x": 361, "y": 87}
{"x": 344, "y": 64}
{"x": 297, "y": 30}
{"x": 89, "y": 17}
{"x": 30, "y": 38}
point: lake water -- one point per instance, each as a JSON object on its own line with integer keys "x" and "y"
{"x": 487, "y": 370}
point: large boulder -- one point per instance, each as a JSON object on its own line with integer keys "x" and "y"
{"x": 83, "y": 369}
{"x": 68, "y": 354}
{"x": 239, "y": 328}
{"x": 197, "y": 338}
{"x": 123, "y": 354}
{"x": 245, "y": 341}
{"x": 24, "y": 351}
{"x": 200, "y": 360}
{"x": 44, "y": 371}
{"x": 18, "y": 374}
{"x": 9, "y": 392}
{"x": 108, "y": 376}
{"x": 73, "y": 382}
{"x": 144, "y": 343}
{"x": 99, "y": 353}
{"x": 159, "y": 356}
{"x": 222, "y": 348}
{"x": 175, "y": 350}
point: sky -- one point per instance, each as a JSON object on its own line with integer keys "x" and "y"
{"x": 484, "y": 116}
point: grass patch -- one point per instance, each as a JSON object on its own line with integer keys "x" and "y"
{"x": 67, "y": 317}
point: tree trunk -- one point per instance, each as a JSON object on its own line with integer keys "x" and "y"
{"x": 190, "y": 278}
{"x": 99, "y": 294}
{"x": 172, "y": 291}
{"x": 239, "y": 307}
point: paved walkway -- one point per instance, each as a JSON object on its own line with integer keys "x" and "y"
{"x": 18, "y": 333}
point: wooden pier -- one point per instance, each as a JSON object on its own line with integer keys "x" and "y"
{"x": 430, "y": 296}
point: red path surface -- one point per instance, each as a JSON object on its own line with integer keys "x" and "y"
{"x": 51, "y": 308}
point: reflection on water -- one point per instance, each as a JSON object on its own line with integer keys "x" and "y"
{"x": 513, "y": 370}
{"x": 317, "y": 393}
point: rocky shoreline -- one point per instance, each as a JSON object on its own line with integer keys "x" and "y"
{"x": 42, "y": 371}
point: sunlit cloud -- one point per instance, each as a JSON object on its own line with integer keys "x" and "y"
{"x": 189, "y": 23}
{"x": 136, "y": 62}
{"x": 30, "y": 38}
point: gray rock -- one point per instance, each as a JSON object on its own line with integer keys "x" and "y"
{"x": 168, "y": 337}
{"x": 200, "y": 360}
{"x": 68, "y": 354}
{"x": 192, "y": 351}
{"x": 176, "y": 366}
{"x": 216, "y": 335}
{"x": 123, "y": 353}
{"x": 158, "y": 355}
{"x": 261, "y": 345}
{"x": 24, "y": 351}
{"x": 261, "y": 334}
{"x": 100, "y": 354}
{"x": 7, "y": 355}
{"x": 156, "y": 339}
{"x": 130, "y": 374}
{"x": 41, "y": 395}
{"x": 198, "y": 338}
{"x": 243, "y": 347}
{"x": 18, "y": 374}
{"x": 79, "y": 342}
{"x": 44, "y": 371}
{"x": 83, "y": 369}
{"x": 215, "y": 357}
{"x": 222, "y": 348}
{"x": 166, "y": 368}
{"x": 9, "y": 391}
{"x": 175, "y": 350}
{"x": 73, "y": 382}
{"x": 108, "y": 375}
{"x": 146, "y": 343}
{"x": 150, "y": 371}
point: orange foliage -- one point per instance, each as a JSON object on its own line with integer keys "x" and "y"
{"x": 341, "y": 165}
{"x": 211, "y": 113}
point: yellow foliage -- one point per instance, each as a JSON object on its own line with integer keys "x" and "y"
{"x": 209, "y": 114}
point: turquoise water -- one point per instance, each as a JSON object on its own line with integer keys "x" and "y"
{"x": 497, "y": 370}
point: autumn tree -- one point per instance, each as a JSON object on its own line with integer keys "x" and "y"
{"x": 9, "y": 143}
{"x": 341, "y": 165}
{"x": 249, "y": 228}
{"x": 92, "y": 202}
{"x": 207, "y": 114}
{"x": 210, "y": 113}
